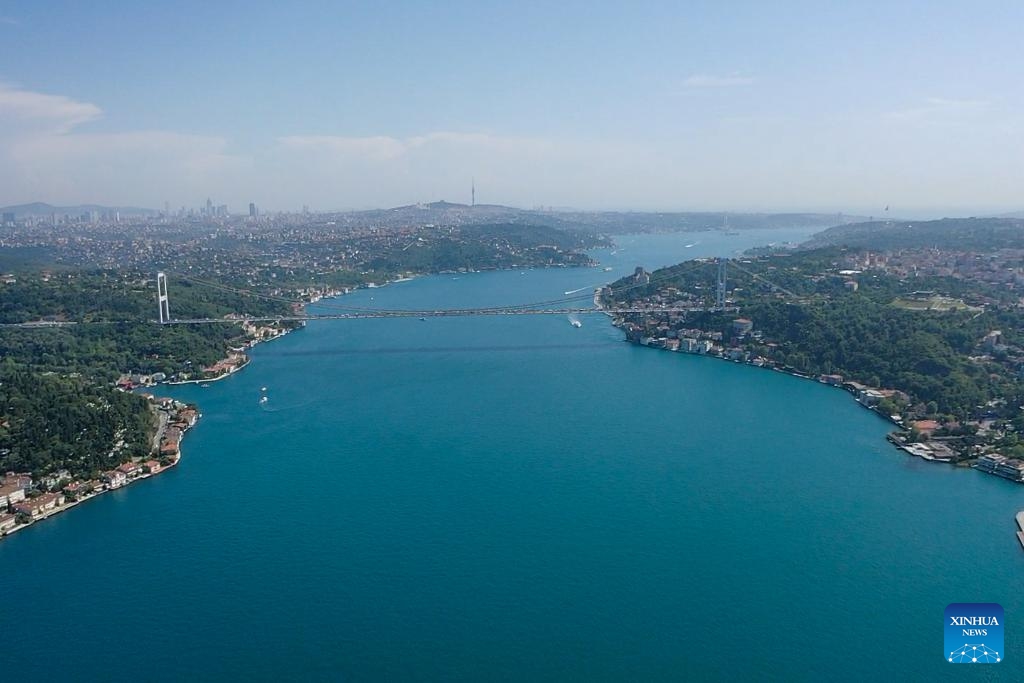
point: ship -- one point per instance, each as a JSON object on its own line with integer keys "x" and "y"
{"x": 576, "y": 323}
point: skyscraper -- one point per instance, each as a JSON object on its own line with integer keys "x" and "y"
{"x": 252, "y": 210}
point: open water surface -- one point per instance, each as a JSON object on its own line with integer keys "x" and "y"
{"x": 515, "y": 498}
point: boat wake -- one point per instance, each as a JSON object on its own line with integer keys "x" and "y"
{"x": 265, "y": 407}
{"x": 576, "y": 291}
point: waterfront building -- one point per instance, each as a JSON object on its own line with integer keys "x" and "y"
{"x": 11, "y": 494}
{"x": 989, "y": 462}
{"x": 7, "y": 521}
{"x": 1012, "y": 469}
{"x": 129, "y": 469}
{"x": 742, "y": 326}
{"x": 35, "y": 507}
{"x": 114, "y": 479}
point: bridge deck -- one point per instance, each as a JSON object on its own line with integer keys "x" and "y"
{"x": 444, "y": 313}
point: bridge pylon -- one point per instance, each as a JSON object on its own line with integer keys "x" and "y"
{"x": 720, "y": 289}
{"x": 162, "y": 300}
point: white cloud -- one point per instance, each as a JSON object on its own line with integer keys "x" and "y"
{"x": 53, "y": 113}
{"x": 712, "y": 81}
{"x": 939, "y": 108}
{"x": 760, "y": 162}
{"x": 44, "y": 157}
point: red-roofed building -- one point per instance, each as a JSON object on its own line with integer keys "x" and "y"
{"x": 36, "y": 507}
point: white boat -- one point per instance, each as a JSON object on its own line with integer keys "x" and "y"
{"x": 263, "y": 399}
{"x": 607, "y": 269}
{"x": 576, "y": 323}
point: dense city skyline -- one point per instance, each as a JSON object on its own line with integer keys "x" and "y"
{"x": 654, "y": 108}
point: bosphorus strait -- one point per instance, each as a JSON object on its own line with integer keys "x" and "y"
{"x": 517, "y": 498}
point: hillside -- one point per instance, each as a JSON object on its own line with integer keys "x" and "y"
{"x": 948, "y": 233}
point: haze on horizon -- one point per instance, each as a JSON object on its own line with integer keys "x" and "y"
{"x": 744, "y": 106}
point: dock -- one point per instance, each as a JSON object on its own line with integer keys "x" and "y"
{"x": 1020, "y": 525}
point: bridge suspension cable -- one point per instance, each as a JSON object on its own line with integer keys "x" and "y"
{"x": 343, "y": 310}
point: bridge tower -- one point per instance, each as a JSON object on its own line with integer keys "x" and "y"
{"x": 162, "y": 300}
{"x": 720, "y": 290}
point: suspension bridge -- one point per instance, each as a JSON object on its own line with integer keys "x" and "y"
{"x": 562, "y": 306}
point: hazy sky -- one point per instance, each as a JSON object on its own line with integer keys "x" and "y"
{"x": 676, "y": 105}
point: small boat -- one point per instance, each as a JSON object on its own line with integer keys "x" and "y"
{"x": 608, "y": 268}
{"x": 204, "y": 385}
{"x": 263, "y": 399}
{"x": 423, "y": 320}
{"x": 576, "y": 323}
{"x": 263, "y": 388}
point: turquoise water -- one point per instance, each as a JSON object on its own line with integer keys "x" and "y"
{"x": 515, "y": 498}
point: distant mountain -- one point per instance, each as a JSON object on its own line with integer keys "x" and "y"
{"x": 43, "y": 209}
{"x": 948, "y": 233}
{"x": 622, "y": 222}
{"x": 608, "y": 222}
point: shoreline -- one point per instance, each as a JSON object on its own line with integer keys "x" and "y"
{"x": 182, "y": 423}
{"x": 912, "y": 449}
{"x": 211, "y": 379}
{"x": 924, "y": 451}
{"x": 75, "y": 503}
{"x": 165, "y": 425}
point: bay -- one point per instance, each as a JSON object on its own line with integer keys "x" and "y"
{"x": 514, "y": 498}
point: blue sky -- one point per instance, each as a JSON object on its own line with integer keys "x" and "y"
{"x": 716, "y": 105}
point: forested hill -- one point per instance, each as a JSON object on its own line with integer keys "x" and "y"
{"x": 50, "y": 422}
{"x": 57, "y": 407}
{"x": 948, "y": 233}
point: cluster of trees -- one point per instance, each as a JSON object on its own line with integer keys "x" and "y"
{"x": 923, "y": 354}
{"x": 106, "y": 296}
{"x": 487, "y": 246}
{"x": 57, "y": 407}
{"x": 52, "y": 422}
{"x": 948, "y": 233}
{"x": 800, "y": 303}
